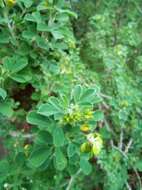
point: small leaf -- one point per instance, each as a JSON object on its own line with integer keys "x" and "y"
{"x": 42, "y": 6}
{"x": 37, "y": 119}
{"x": 15, "y": 64}
{"x": 6, "y": 108}
{"x": 70, "y": 13}
{"x": 85, "y": 166}
{"x": 42, "y": 43}
{"x": 76, "y": 93}
{"x": 60, "y": 160}
{"x": 29, "y": 34}
{"x": 27, "y": 3}
{"x": 34, "y": 17}
{"x": 88, "y": 96}
{"x": 50, "y": 108}
{"x": 42, "y": 27}
{"x": 138, "y": 165}
{"x": 4, "y": 38}
{"x": 58, "y": 137}
{"x": 22, "y": 76}
{"x": 3, "y": 93}
{"x": 57, "y": 34}
{"x": 71, "y": 150}
{"x": 98, "y": 116}
{"x": 39, "y": 156}
{"x": 43, "y": 138}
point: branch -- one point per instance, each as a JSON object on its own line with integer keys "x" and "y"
{"x": 18, "y": 134}
{"x": 138, "y": 177}
{"x": 128, "y": 146}
{"x": 71, "y": 181}
{"x": 10, "y": 27}
{"x": 105, "y": 96}
{"x": 128, "y": 186}
{"x": 121, "y": 139}
{"x": 124, "y": 153}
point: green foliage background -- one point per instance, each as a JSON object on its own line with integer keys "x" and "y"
{"x": 65, "y": 65}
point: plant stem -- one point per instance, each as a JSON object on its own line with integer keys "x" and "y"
{"x": 71, "y": 181}
{"x": 121, "y": 139}
{"x": 128, "y": 145}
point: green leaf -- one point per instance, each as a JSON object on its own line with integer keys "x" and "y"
{"x": 84, "y": 96}
{"x": 15, "y": 64}
{"x": 37, "y": 119}
{"x": 98, "y": 116}
{"x": 85, "y": 166}
{"x": 43, "y": 138}
{"x": 42, "y": 43}
{"x": 50, "y": 108}
{"x": 60, "y": 160}
{"x": 3, "y": 93}
{"x": 39, "y": 156}
{"x": 4, "y": 165}
{"x": 77, "y": 93}
{"x": 6, "y": 108}
{"x": 22, "y": 76}
{"x": 88, "y": 96}
{"x": 34, "y": 17}
{"x": 4, "y": 38}
{"x": 70, "y": 13}
{"x": 29, "y": 34}
{"x": 58, "y": 137}
{"x": 27, "y": 3}
{"x": 138, "y": 165}
{"x": 71, "y": 150}
{"x": 42, "y": 27}
{"x": 5, "y": 170}
{"x": 42, "y": 6}
{"x": 57, "y": 34}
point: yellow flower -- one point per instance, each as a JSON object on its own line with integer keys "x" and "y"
{"x": 88, "y": 114}
{"x": 72, "y": 118}
{"x": 84, "y": 128}
{"x": 10, "y": 2}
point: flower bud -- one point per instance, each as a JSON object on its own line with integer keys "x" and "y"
{"x": 85, "y": 147}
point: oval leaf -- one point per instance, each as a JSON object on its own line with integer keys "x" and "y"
{"x": 3, "y": 93}
{"x": 58, "y": 137}
{"x": 38, "y": 157}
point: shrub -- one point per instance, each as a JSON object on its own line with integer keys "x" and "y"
{"x": 70, "y": 110}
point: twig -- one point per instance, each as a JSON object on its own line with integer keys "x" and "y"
{"x": 105, "y": 96}
{"x": 128, "y": 146}
{"x": 120, "y": 150}
{"x": 105, "y": 105}
{"x": 108, "y": 127}
{"x": 138, "y": 8}
{"x": 11, "y": 30}
{"x": 128, "y": 186}
{"x": 124, "y": 153}
{"x": 138, "y": 177}
{"x": 71, "y": 181}
{"x": 121, "y": 139}
{"x": 18, "y": 134}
